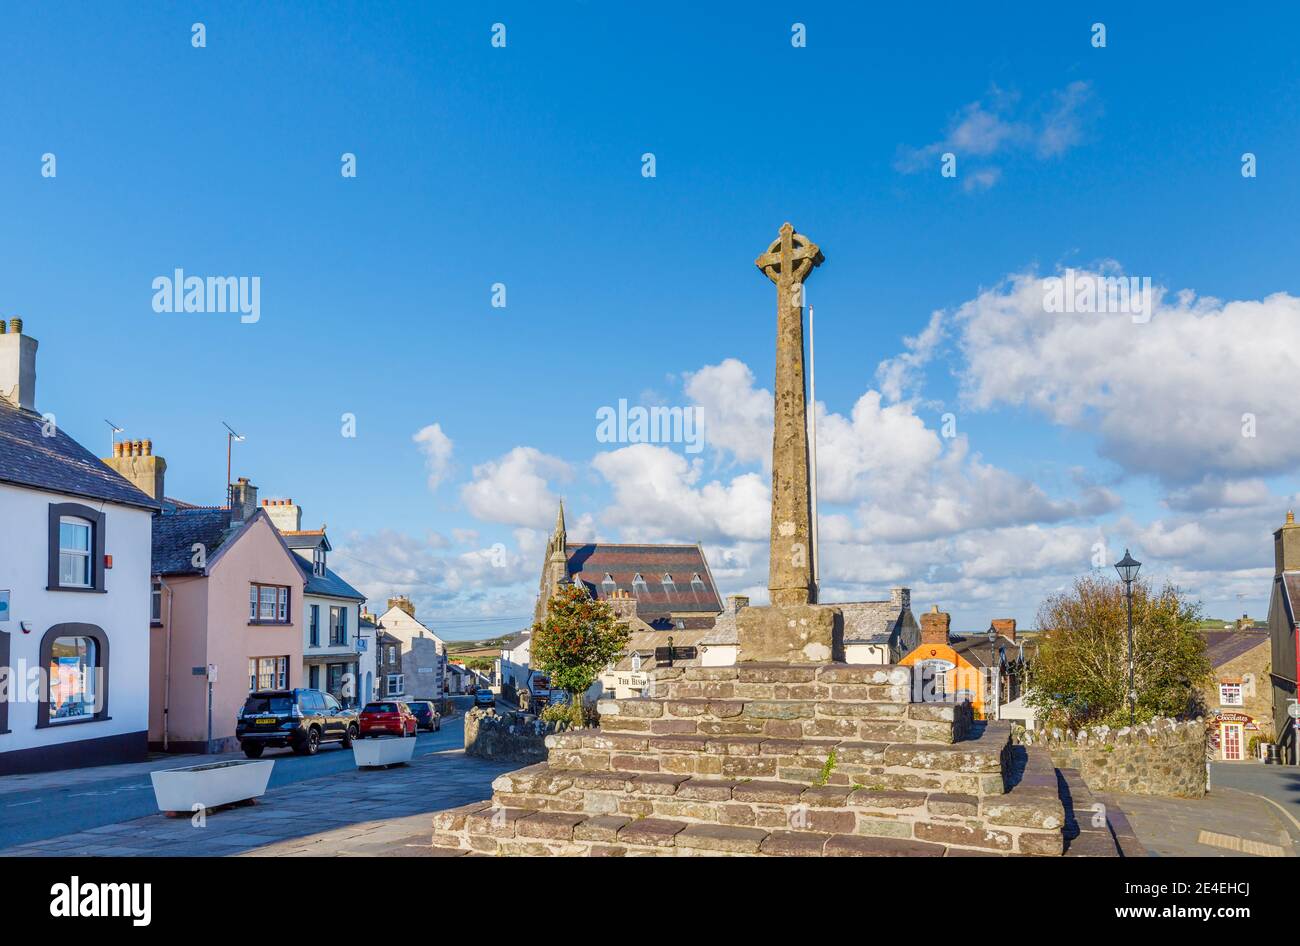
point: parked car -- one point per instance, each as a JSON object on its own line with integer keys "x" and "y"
{"x": 299, "y": 718}
{"x": 426, "y": 717}
{"x": 484, "y": 699}
{"x": 388, "y": 717}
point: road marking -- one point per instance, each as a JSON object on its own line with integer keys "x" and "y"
{"x": 1233, "y": 843}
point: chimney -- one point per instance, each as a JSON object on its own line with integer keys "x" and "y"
{"x": 622, "y": 604}
{"x": 134, "y": 462}
{"x": 402, "y": 602}
{"x": 285, "y": 516}
{"x": 736, "y": 602}
{"x": 934, "y": 626}
{"x": 243, "y": 500}
{"x": 900, "y": 598}
{"x": 1006, "y": 627}
{"x": 1286, "y": 545}
{"x": 17, "y": 366}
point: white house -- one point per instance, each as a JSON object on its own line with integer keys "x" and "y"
{"x": 424, "y": 654}
{"x": 75, "y": 547}
{"x": 513, "y": 667}
{"x": 331, "y": 609}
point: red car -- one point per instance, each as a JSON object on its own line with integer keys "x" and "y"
{"x": 389, "y": 718}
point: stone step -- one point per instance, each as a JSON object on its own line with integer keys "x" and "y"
{"x": 992, "y": 822}
{"x": 787, "y": 718}
{"x": 497, "y": 829}
{"x": 775, "y": 681}
{"x": 972, "y": 767}
{"x": 1087, "y": 819}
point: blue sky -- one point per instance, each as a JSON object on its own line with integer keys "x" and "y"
{"x": 522, "y": 165}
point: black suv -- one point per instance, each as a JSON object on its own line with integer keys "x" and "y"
{"x": 300, "y": 719}
{"x": 426, "y": 717}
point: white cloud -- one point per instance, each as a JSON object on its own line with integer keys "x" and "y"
{"x": 437, "y": 449}
{"x": 514, "y": 488}
{"x": 1170, "y": 397}
{"x": 999, "y": 125}
{"x": 658, "y": 495}
{"x": 737, "y": 415}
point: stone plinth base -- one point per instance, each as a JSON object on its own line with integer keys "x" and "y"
{"x": 790, "y": 633}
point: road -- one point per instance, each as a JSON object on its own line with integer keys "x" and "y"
{"x": 1280, "y": 784}
{"x": 47, "y": 811}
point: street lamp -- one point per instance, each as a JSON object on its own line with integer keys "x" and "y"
{"x": 994, "y": 676}
{"x": 1128, "y": 568}
{"x": 231, "y": 437}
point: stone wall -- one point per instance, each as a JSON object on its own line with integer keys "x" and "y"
{"x": 1163, "y": 757}
{"x": 512, "y": 737}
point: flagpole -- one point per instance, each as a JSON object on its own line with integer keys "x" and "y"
{"x": 812, "y": 455}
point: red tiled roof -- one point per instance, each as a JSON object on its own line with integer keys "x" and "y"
{"x": 691, "y": 588}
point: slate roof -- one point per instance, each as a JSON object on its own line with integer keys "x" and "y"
{"x": 1222, "y": 647}
{"x": 328, "y": 586}
{"x": 57, "y": 464}
{"x": 872, "y": 622}
{"x": 589, "y": 563}
{"x": 175, "y": 534}
{"x": 975, "y": 648}
{"x": 1291, "y": 587}
{"x": 514, "y": 641}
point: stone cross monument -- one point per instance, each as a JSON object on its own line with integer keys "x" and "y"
{"x": 788, "y": 262}
{"x": 793, "y": 628}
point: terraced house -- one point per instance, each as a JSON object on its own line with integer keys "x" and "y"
{"x": 74, "y": 589}
{"x": 331, "y": 608}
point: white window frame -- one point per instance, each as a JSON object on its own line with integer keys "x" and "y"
{"x": 1225, "y": 689}
{"x": 85, "y": 554}
{"x": 396, "y": 684}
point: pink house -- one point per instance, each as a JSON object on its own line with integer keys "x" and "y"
{"x": 227, "y": 604}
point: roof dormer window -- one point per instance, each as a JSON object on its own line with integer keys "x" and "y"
{"x": 608, "y": 583}
{"x": 697, "y": 583}
{"x": 318, "y": 562}
{"x": 638, "y": 584}
{"x": 668, "y": 582}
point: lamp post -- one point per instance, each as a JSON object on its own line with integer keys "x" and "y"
{"x": 1127, "y": 567}
{"x": 994, "y": 676}
{"x": 231, "y": 437}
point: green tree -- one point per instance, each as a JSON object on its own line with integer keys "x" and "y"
{"x": 577, "y": 640}
{"x": 1079, "y": 676}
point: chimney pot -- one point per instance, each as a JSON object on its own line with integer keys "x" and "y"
{"x": 148, "y": 447}
{"x": 1290, "y": 517}
{"x": 2, "y": 327}
{"x": 16, "y": 326}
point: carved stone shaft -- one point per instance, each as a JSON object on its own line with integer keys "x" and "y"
{"x": 787, "y": 263}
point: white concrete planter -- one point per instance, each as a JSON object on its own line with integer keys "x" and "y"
{"x": 211, "y": 785}
{"x": 390, "y": 750}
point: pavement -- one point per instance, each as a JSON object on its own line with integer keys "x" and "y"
{"x": 1251, "y": 810}
{"x": 110, "y": 809}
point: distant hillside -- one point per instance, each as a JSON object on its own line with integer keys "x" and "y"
{"x": 490, "y": 646}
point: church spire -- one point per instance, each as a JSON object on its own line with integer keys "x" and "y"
{"x": 559, "y": 526}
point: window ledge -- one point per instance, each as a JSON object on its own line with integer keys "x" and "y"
{"x": 73, "y": 722}
{"x": 93, "y": 591}
{"x": 270, "y": 624}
